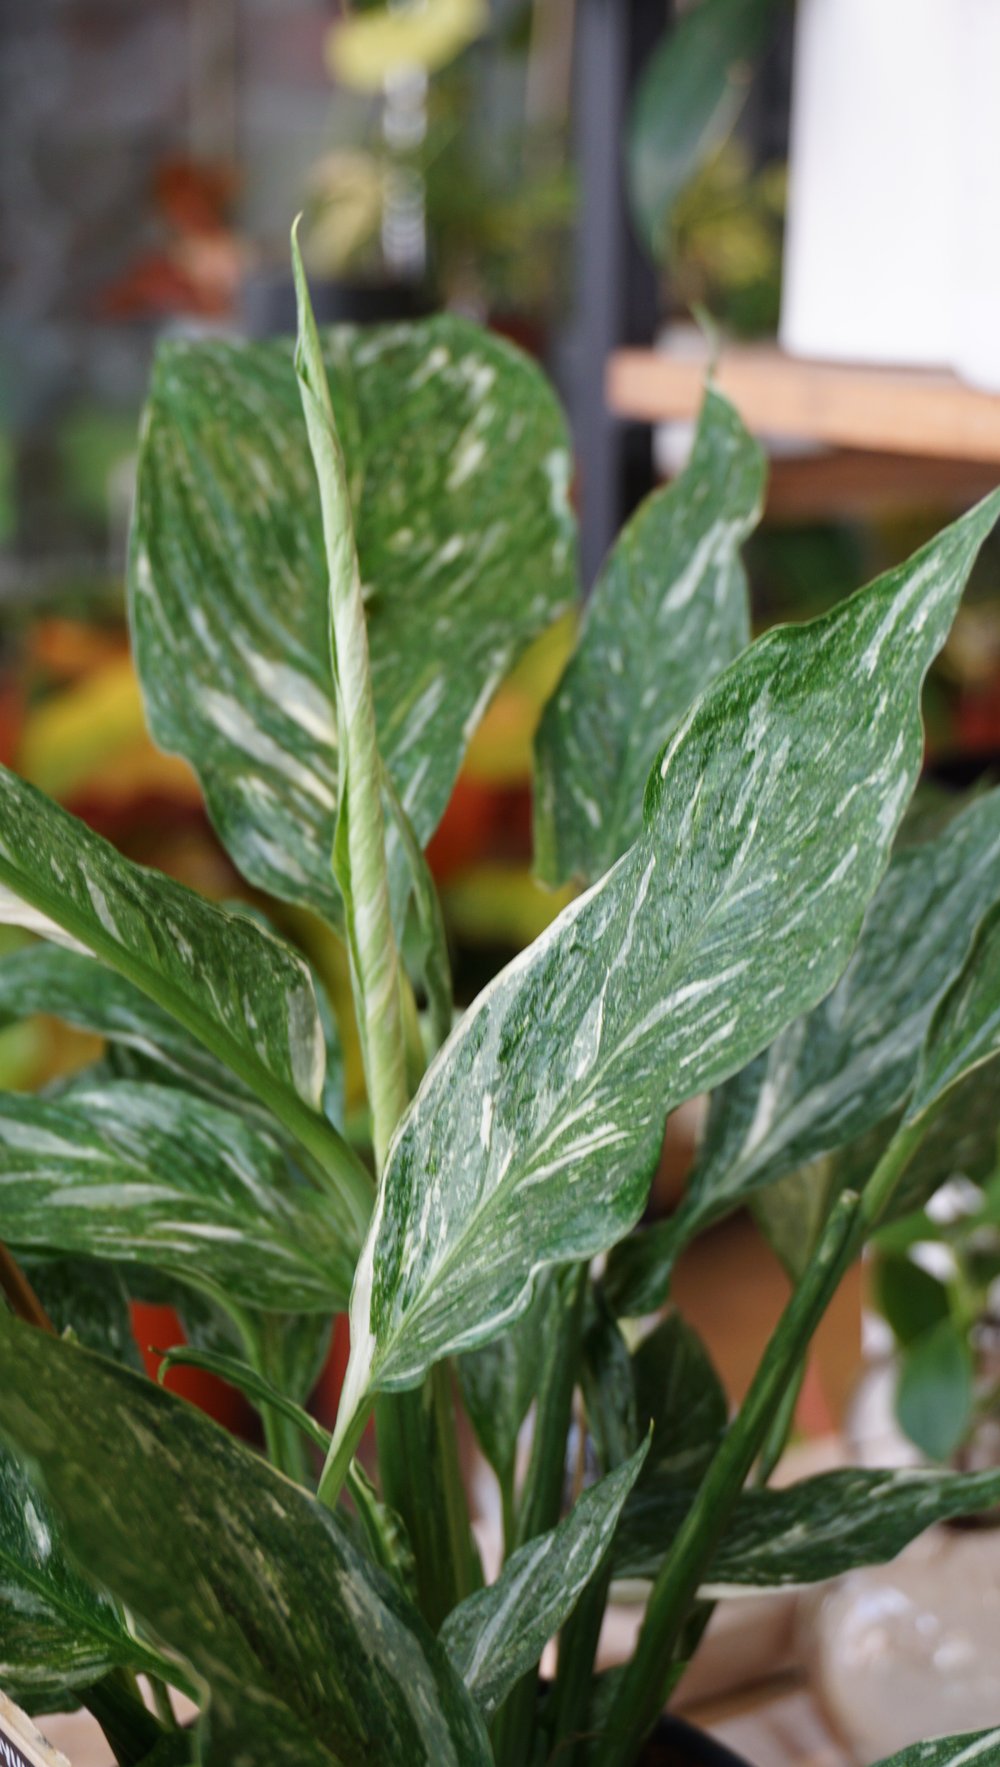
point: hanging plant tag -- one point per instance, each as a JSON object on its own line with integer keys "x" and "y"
{"x": 21, "y": 1745}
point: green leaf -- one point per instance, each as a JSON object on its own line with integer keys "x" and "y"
{"x": 965, "y": 1031}
{"x": 678, "y": 1391}
{"x": 308, "y": 1652}
{"x": 768, "y": 824}
{"x": 458, "y": 469}
{"x": 688, "y": 101}
{"x": 147, "y": 1174}
{"x": 980, "y": 1748}
{"x": 495, "y": 1636}
{"x": 934, "y": 1398}
{"x": 90, "y": 1299}
{"x": 242, "y": 993}
{"x": 818, "y": 1528}
{"x": 58, "y": 1633}
{"x": 608, "y": 1385}
{"x": 830, "y": 1077}
{"x": 249, "y": 1381}
{"x": 668, "y": 612}
{"x": 500, "y": 1380}
{"x": 909, "y": 1298}
{"x": 82, "y": 992}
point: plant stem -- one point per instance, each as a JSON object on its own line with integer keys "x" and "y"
{"x": 641, "y": 1692}
{"x": 578, "y": 1643}
{"x": 642, "y": 1689}
{"x": 24, "y": 1302}
{"x": 541, "y": 1502}
{"x": 334, "y": 1474}
{"x": 283, "y": 1438}
{"x": 416, "y": 1436}
{"x": 129, "y": 1726}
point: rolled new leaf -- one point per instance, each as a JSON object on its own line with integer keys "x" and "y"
{"x": 241, "y": 992}
{"x": 668, "y": 612}
{"x": 58, "y": 1633}
{"x": 834, "y": 1075}
{"x": 359, "y": 849}
{"x": 149, "y": 1175}
{"x": 768, "y": 824}
{"x": 495, "y": 1636}
{"x": 458, "y": 467}
{"x": 306, "y": 1651}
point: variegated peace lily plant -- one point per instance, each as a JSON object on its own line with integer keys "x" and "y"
{"x": 337, "y": 555}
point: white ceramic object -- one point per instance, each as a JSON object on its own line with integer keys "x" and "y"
{"x": 976, "y": 194}
{"x": 869, "y": 244}
{"x": 910, "y": 1650}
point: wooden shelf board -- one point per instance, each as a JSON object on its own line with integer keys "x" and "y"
{"x": 877, "y": 410}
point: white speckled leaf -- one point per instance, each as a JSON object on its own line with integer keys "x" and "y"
{"x": 303, "y": 1646}
{"x": 82, "y": 992}
{"x": 495, "y": 1636}
{"x": 239, "y": 990}
{"x": 459, "y": 472}
{"x": 964, "y": 1033}
{"x": 768, "y": 824}
{"x": 58, "y": 1634}
{"x": 833, "y": 1075}
{"x": 668, "y": 612}
{"x": 980, "y": 1748}
{"x": 819, "y": 1528}
{"x": 147, "y": 1174}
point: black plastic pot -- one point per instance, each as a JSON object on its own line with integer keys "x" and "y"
{"x": 676, "y": 1743}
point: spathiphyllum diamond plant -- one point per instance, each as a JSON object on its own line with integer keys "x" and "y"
{"x": 339, "y": 550}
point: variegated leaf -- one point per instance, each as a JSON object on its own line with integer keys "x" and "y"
{"x": 495, "y": 1636}
{"x": 768, "y": 824}
{"x": 980, "y": 1748}
{"x": 58, "y": 1633}
{"x": 965, "y": 1031}
{"x": 819, "y": 1528}
{"x": 71, "y": 986}
{"x": 668, "y": 612}
{"x": 149, "y": 1175}
{"x": 241, "y": 992}
{"x": 307, "y": 1652}
{"x": 88, "y": 1297}
{"x": 835, "y": 1074}
{"x": 458, "y": 469}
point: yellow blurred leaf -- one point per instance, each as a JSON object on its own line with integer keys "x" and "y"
{"x": 73, "y": 738}
{"x": 500, "y": 750}
{"x": 365, "y": 50}
{"x": 496, "y": 904}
